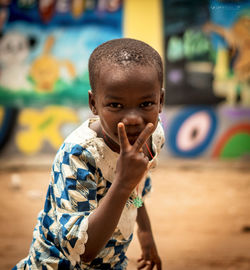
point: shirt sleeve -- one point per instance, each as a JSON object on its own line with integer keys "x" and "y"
{"x": 73, "y": 195}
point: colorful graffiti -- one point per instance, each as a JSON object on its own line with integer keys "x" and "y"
{"x": 206, "y": 53}
{"x": 213, "y": 132}
{"x": 231, "y": 40}
{"x": 235, "y": 142}
{"x": 43, "y": 125}
{"x": 191, "y": 131}
{"x": 45, "y": 71}
{"x": 45, "y": 46}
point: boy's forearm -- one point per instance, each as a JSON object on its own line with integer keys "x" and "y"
{"x": 145, "y": 236}
{"x": 103, "y": 222}
{"x": 143, "y": 220}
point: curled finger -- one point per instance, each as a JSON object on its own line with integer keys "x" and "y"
{"x": 143, "y": 264}
{"x": 142, "y": 138}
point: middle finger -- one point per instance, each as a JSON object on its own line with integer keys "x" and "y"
{"x": 142, "y": 138}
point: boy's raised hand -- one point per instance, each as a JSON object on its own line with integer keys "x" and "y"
{"x": 132, "y": 163}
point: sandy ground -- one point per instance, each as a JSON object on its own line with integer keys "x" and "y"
{"x": 200, "y": 214}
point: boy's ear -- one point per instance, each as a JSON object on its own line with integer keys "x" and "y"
{"x": 92, "y": 103}
{"x": 162, "y": 96}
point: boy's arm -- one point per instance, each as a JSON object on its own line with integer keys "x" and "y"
{"x": 149, "y": 257}
{"x": 103, "y": 221}
{"x": 131, "y": 167}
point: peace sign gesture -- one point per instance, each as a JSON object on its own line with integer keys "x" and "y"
{"x": 132, "y": 163}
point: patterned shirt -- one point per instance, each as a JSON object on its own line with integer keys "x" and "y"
{"x": 82, "y": 173}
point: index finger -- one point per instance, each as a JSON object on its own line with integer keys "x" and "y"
{"x": 122, "y": 135}
{"x": 142, "y": 138}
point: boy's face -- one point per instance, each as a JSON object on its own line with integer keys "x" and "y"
{"x": 132, "y": 96}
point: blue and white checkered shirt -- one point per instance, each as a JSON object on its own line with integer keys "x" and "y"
{"x": 82, "y": 173}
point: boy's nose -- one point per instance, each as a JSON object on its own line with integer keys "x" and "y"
{"x": 132, "y": 119}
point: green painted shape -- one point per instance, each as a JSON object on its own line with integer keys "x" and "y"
{"x": 74, "y": 94}
{"x": 237, "y": 146}
{"x": 46, "y": 123}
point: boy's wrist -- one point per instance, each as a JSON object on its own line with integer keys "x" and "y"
{"x": 121, "y": 183}
{"x": 145, "y": 230}
{"x": 122, "y": 188}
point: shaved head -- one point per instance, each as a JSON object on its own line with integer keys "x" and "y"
{"x": 123, "y": 53}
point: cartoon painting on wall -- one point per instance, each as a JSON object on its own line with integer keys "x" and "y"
{"x": 45, "y": 45}
{"x": 230, "y": 29}
{"x": 207, "y": 52}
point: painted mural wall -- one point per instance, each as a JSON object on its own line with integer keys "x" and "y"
{"x": 207, "y": 52}
{"x": 45, "y": 46}
{"x": 191, "y": 131}
{"x": 207, "y": 60}
{"x": 207, "y": 77}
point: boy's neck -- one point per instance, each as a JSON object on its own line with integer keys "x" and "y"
{"x": 96, "y": 126}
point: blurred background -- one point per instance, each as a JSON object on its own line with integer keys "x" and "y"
{"x": 204, "y": 168}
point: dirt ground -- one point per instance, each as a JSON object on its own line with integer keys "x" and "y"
{"x": 200, "y": 213}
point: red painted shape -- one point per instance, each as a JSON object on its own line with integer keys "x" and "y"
{"x": 244, "y": 127}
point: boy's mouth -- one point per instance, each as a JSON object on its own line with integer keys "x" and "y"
{"x": 133, "y": 134}
{"x": 132, "y": 137}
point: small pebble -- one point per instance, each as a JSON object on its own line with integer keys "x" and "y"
{"x": 15, "y": 181}
{"x": 246, "y": 229}
{"x": 34, "y": 194}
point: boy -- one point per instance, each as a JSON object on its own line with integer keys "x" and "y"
{"x": 99, "y": 178}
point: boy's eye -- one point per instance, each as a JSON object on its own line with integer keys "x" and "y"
{"x": 146, "y": 104}
{"x": 115, "y": 105}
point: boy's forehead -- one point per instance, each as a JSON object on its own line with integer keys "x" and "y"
{"x": 119, "y": 69}
{"x": 118, "y": 78}
{"x": 120, "y": 74}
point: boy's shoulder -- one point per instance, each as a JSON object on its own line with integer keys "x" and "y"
{"x": 159, "y": 136}
{"x": 83, "y": 145}
{"x": 82, "y": 141}
{"x": 81, "y": 135}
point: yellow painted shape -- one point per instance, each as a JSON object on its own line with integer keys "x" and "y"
{"x": 143, "y": 21}
{"x": 1, "y": 115}
{"x": 45, "y": 71}
{"x": 77, "y": 7}
{"x": 43, "y": 126}
{"x": 222, "y": 64}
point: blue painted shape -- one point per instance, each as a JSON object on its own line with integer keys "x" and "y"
{"x": 7, "y": 124}
{"x": 176, "y": 125}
